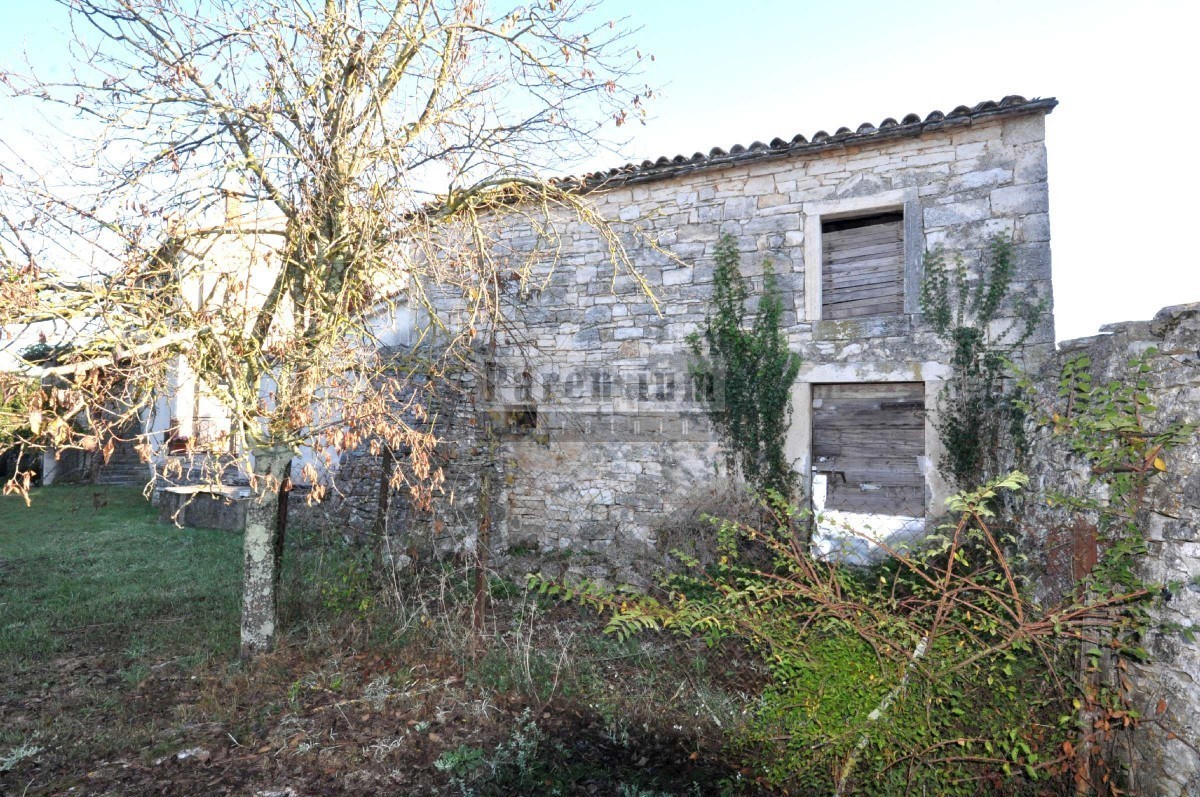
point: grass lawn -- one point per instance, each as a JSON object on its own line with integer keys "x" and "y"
{"x": 91, "y": 569}
{"x": 119, "y": 676}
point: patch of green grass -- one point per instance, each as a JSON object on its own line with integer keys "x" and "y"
{"x": 111, "y": 579}
{"x": 536, "y": 673}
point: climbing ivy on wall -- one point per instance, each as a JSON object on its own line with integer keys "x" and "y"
{"x": 979, "y": 417}
{"x": 743, "y": 362}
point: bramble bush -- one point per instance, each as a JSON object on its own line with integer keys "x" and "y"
{"x": 934, "y": 672}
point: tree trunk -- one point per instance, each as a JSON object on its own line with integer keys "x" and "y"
{"x": 260, "y": 581}
{"x": 481, "y": 553}
{"x": 383, "y": 502}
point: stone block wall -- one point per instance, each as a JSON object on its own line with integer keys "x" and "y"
{"x": 583, "y": 323}
{"x": 1163, "y": 750}
{"x": 455, "y": 415}
{"x": 598, "y": 433}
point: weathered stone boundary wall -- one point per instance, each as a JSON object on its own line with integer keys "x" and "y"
{"x": 1163, "y": 751}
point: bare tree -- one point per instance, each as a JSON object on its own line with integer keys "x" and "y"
{"x": 362, "y": 150}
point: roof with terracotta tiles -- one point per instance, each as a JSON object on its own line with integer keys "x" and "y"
{"x": 821, "y": 141}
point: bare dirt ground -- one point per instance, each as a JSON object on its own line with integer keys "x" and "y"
{"x": 295, "y": 725}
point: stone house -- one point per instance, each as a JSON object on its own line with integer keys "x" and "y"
{"x": 582, "y": 412}
{"x": 580, "y": 437}
{"x": 596, "y": 436}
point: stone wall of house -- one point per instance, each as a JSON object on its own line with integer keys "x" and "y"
{"x": 1163, "y": 749}
{"x": 597, "y": 435}
{"x": 583, "y": 323}
{"x": 354, "y": 503}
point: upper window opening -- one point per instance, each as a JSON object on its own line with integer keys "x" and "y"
{"x": 862, "y": 273}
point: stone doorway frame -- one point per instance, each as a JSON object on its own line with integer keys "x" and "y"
{"x": 798, "y": 442}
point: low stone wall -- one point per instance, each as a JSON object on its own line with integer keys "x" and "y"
{"x": 1163, "y": 749}
{"x": 359, "y": 504}
{"x": 204, "y": 506}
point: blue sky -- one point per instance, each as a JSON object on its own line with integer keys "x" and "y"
{"x": 1123, "y": 171}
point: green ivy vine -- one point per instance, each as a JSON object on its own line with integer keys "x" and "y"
{"x": 746, "y": 370}
{"x": 979, "y": 414}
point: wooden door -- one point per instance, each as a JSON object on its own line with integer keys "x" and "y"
{"x": 868, "y": 439}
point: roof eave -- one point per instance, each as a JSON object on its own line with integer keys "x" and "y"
{"x": 666, "y": 168}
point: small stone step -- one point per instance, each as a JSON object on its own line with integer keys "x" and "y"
{"x": 126, "y": 474}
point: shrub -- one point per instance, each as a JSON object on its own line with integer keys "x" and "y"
{"x": 933, "y": 673}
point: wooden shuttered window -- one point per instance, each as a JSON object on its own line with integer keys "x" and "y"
{"x": 862, "y": 272}
{"x": 868, "y": 439}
